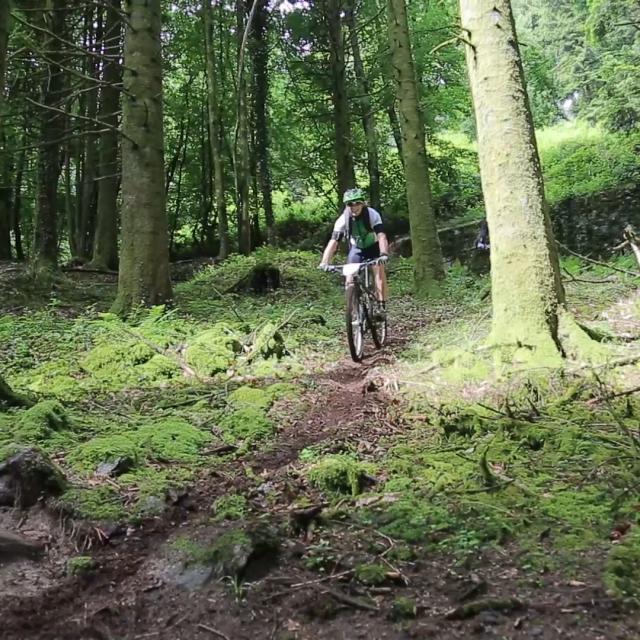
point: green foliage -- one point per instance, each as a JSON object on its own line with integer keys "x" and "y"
{"x": 171, "y": 440}
{"x": 213, "y": 350}
{"x": 38, "y": 422}
{"x": 339, "y": 474}
{"x": 87, "y": 456}
{"x": 97, "y": 503}
{"x": 403, "y": 608}
{"x": 622, "y": 572}
{"x": 230, "y": 507}
{"x": 80, "y": 565}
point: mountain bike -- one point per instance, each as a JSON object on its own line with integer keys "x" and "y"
{"x": 362, "y": 309}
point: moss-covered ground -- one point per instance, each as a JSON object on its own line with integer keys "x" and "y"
{"x": 463, "y": 459}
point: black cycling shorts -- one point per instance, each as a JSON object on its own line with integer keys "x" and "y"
{"x": 360, "y": 255}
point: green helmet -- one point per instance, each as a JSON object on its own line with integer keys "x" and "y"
{"x": 353, "y": 195}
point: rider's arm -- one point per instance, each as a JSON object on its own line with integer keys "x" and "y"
{"x": 383, "y": 242}
{"x": 329, "y": 251}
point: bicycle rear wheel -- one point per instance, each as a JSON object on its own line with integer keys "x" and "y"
{"x": 355, "y": 324}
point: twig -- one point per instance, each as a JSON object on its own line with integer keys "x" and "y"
{"x": 598, "y": 262}
{"x": 352, "y": 602}
{"x": 215, "y": 632}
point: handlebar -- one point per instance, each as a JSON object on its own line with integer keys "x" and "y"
{"x": 335, "y": 268}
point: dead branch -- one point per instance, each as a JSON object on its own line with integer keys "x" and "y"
{"x": 598, "y": 262}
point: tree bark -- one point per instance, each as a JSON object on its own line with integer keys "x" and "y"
{"x": 9, "y": 397}
{"x": 367, "y": 114}
{"x": 527, "y": 294}
{"x": 17, "y": 203}
{"x": 144, "y": 265}
{"x": 5, "y": 180}
{"x": 261, "y": 96}
{"x": 105, "y": 245}
{"x": 215, "y": 135}
{"x": 427, "y": 255}
{"x": 44, "y": 254}
{"x": 332, "y": 13}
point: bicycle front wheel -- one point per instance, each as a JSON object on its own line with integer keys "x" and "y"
{"x": 378, "y": 324}
{"x": 355, "y": 325}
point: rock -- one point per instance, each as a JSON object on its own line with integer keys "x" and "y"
{"x": 115, "y": 467}
{"x": 13, "y": 547}
{"x": 28, "y": 476}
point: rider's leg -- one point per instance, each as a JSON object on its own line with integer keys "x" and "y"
{"x": 354, "y": 256}
{"x": 380, "y": 275}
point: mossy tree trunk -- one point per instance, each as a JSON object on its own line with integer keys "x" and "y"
{"x": 144, "y": 263}
{"x": 527, "y": 293}
{"x": 332, "y": 14}
{"x": 5, "y": 181}
{"x": 105, "y": 244}
{"x": 367, "y": 112}
{"x": 427, "y": 255}
{"x": 215, "y": 126}
{"x": 44, "y": 250}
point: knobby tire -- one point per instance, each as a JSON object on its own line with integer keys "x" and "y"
{"x": 355, "y": 333}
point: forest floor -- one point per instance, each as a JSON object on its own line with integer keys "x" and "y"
{"x": 411, "y": 496}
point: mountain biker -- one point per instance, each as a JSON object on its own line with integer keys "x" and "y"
{"x": 361, "y": 225}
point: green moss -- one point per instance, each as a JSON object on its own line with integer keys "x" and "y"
{"x": 55, "y": 378}
{"x": 371, "y": 574}
{"x": 231, "y": 507}
{"x": 80, "y": 565}
{"x": 459, "y": 365}
{"x": 39, "y": 422}
{"x": 249, "y": 397}
{"x": 339, "y": 474}
{"x": 171, "y": 440}
{"x": 87, "y": 456}
{"x": 248, "y": 424}
{"x": 403, "y": 608}
{"x": 159, "y": 368}
{"x": 268, "y": 343}
{"x": 622, "y": 572}
{"x": 214, "y": 350}
{"x": 98, "y": 503}
{"x": 115, "y": 362}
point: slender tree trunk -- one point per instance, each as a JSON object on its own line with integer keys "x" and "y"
{"x": 144, "y": 263}
{"x": 17, "y": 203}
{"x": 427, "y": 256}
{"x": 105, "y": 245}
{"x": 5, "y": 180}
{"x": 241, "y": 138}
{"x": 527, "y": 294}
{"x": 215, "y": 136}
{"x": 333, "y": 10}
{"x": 368, "y": 118}
{"x": 261, "y": 96}
{"x": 87, "y": 204}
{"x": 395, "y": 130}
{"x": 44, "y": 255}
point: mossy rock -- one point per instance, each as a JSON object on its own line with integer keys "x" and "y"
{"x": 37, "y": 423}
{"x": 97, "y": 504}
{"x": 214, "y": 350}
{"x": 622, "y": 572}
{"x": 171, "y": 440}
{"x": 81, "y": 566}
{"x": 115, "y": 363}
{"x": 340, "y": 474}
{"x": 248, "y": 424}
{"x": 249, "y": 397}
{"x": 87, "y": 456}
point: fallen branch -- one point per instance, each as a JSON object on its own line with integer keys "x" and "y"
{"x": 215, "y": 632}
{"x": 486, "y": 604}
{"x": 598, "y": 262}
{"x": 356, "y": 603}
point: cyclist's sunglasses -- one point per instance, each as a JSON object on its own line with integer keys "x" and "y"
{"x": 354, "y": 203}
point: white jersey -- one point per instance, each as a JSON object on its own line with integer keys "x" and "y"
{"x": 341, "y": 226}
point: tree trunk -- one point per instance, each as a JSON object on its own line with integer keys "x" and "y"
{"x": 261, "y": 96}
{"x": 17, "y": 203}
{"x": 87, "y": 210}
{"x": 368, "y": 118}
{"x": 332, "y": 10}
{"x": 144, "y": 264}
{"x": 215, "y": 137}
{"x": 5, "y": 180}
{"x": 427, "y": 256}
{"x": 105, "y": 244}
{"x": 527, "y": 294}
{"x": 44, "y": 255}
{"x": 241, "y": 138}
{"x": 395, "y": 130}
